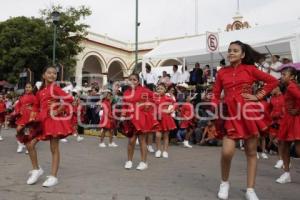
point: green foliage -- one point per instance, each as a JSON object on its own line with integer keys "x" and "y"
{"x": 28, "y": 42}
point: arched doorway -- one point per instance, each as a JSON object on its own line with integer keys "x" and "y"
{"x": 92, "y": 70}
{"x": 115, "y": 71}
{"x": 169, "y": 62}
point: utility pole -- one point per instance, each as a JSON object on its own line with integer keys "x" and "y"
{"x": 196, "y": 17}
{"x": 136, "y": 31}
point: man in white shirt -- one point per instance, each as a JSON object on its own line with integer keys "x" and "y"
{"x": 185, "y": 76}
{"x": 150, "y": 78}
{"x": 175, "y": 77}
{"x": 263, "y": 65}
{"x": 275, "y": 66}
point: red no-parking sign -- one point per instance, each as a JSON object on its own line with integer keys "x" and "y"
{"x": 212, "y": 42}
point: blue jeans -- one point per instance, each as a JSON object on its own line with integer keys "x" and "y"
{"x": 181, "y": 134}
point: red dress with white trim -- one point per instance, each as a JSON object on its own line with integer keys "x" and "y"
{"x": 166, "y": 121}
{"x": 2, "y": 111}
{"x": 290, "y": 124}
{"x": 186, "y": 115}
{"x": 244, "y": 119}
{"x": 60, "y": 125}
{"x": 139, "y": 109}
{"x": 277, "y": 113}
{"x": 26, "y": 109}
{"x": 107, "y": 120}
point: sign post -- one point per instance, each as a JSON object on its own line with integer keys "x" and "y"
{"x": 212, "y": 45}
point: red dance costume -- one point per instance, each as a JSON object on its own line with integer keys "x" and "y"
{"x": 107, "y": 120}
{"x": 166, "y": 121}
{"x": 60, "y": 126}
{"x": 290, "y": 125}
{"x": 2, "y": 112}
{"x": 186, "y": 113}
{"x": 26, "y": 109}
{"x": 235, "y": 81}
{"x": 276, "y": 113}
{"x": 141, "y": 115}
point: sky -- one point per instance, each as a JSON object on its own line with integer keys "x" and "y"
{"x": 161, "y": 18}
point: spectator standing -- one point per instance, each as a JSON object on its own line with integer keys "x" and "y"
{"x": 185, "y": 75}
{"x": 196, "y": 76}
{"x": 175, "y": 77}
{"x": 275, "y": 66}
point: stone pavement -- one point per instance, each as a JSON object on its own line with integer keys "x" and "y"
{"x": 88, "y": 172}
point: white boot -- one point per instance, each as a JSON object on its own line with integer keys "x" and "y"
{"x": 165, "y": 154}
{"x": 20, "y": 147}
{"x": 34, "y": 176}
{"x": 224, "y": 190}
{"x": 128, "y": 164}
{"x": 284, "y": 178}
{"x": 158, "y": 154}
{"x": 279, "y": 164}
{"x": 250, "y": 194}
{"x": 150, "y": 149}
{"x": 264, "y": 156}
{"x": 64, "y": 140}
{"x": 50, "y": 181}
{"x": 79, "y": 138}
{"x": 113, "y": 144}
{"x": 142, "y": 166}
{"x": 186, "y": 144}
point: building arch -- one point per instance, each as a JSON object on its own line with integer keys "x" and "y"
{"x": 93, "y": 68}
{"x": 98, "y": 55}
{"x": 116, "y": 69}
{"x": 169, "y": 62}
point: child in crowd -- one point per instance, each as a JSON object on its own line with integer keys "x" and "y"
{"x": 208, "y": 136}
{"x": 107, "y": 121}
{"x": 165, "y": 106}
{"x": 276, "y": 113}
{"x": 290, "y": 124}
{"x": 2, "y": 114}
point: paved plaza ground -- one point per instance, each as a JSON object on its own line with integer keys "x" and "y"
{"x": 88, "y": 172}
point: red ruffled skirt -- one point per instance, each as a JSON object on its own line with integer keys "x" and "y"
{"x": 289, "y": 128}
{"x": 239, "y": 124}
{"x": 144, "y": 121}
{"x": 186, "y": 124}
{"x": 58, "y": 127}
{"x": 33, "y": 130}
{"x": 107, "y": 123}
{"x": 25, "y": 117}
{"x": 166, "y": 123}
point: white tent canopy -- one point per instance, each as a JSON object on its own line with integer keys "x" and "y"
{"x": 283, "y": 38}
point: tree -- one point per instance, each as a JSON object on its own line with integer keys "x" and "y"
{"x": 28, "y": 42}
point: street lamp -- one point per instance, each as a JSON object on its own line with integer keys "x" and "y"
{"x": 55, "y": 19}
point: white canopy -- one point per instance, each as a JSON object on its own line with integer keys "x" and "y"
{"x": 283, "y": 38}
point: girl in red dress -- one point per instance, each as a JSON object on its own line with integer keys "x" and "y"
{"x": 165, "y": 106}
{"x": 2, "y": 113}
{"x": 54, "y": 122}
{"x": 77, "y": 116}
{"x": 26, "y": 110}
{"x": 276, "y": 113}
{"x": 290, "y": 124}
{"x": 107, "y": 121}
{"x": 244, "y": 119}
{"x": 139, "y": 109}
{"x": 186, "y": 120}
